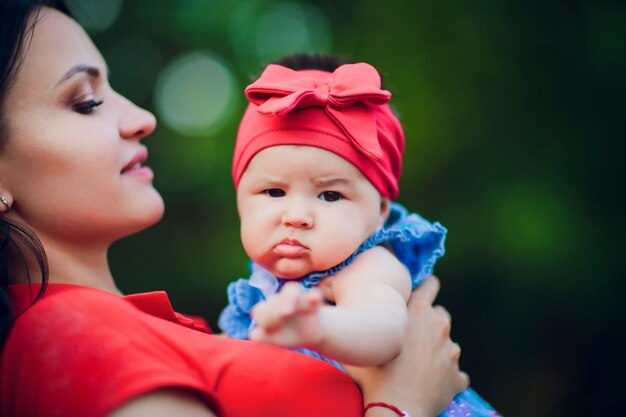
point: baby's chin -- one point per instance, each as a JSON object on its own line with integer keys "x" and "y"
{"x": 289, "y": 274}
{"x": 291, "y": 268}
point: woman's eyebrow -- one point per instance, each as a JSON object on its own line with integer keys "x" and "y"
{"x": 77, "y": 69}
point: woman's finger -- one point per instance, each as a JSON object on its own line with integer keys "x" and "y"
{"x": 426, "y": 292}
{"x": 441, "y": 310}
{"x": 464, "y": 381}
{"x": 456, "y": 352}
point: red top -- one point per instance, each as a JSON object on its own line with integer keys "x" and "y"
{"x": 81, "y": 352}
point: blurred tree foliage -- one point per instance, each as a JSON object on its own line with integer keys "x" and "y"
{"x": 512, "y": 111}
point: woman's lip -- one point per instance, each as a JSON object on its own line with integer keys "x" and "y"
{"x": 143, "y": 171}
{"x": 140, "y": 157}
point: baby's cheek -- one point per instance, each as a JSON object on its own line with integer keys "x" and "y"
{"x": 251, "y": 240}
{"x": 342, "y": 244}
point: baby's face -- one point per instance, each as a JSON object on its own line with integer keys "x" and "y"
{"x": 304, "y": 209}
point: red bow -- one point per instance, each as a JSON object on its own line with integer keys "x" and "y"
{"x": 280, "y": 90}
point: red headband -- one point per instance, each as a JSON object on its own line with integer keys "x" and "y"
{"x": 344, "y": 112}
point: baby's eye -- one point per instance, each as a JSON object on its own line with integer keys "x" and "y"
{"x": 275, "y": 192}
{"x": 330, "y": 196}
{"x": 87, "y": 106}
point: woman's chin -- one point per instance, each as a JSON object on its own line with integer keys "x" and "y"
{"x": 155, "y": 214}
{"x": 148, "y": 215}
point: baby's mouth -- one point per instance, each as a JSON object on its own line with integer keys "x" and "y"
{"x": 290, "y": 248}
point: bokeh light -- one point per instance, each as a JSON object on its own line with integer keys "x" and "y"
{"x": 260, "y": 32}
{"x": 196, "y": 93}
{"x": 96, "y": 15}
{"x": 290, "y": 27}
{"x": 135, "y": 63}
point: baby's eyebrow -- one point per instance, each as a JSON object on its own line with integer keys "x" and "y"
{"x": 327, "y": 182}
{"x": 270, "y": 181}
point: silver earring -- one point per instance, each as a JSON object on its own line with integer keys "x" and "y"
{"x": 5, "y": 201}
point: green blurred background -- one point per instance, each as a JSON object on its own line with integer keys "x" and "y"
{"x": 512, "y": 111}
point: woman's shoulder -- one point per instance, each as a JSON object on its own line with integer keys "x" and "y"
{"x": 96, "y": 349}
{"x": 76, "y": 311}
{"x": 85, "y": 330}
{"x": 94, "y": 323}
{"x": 72, "y": 308}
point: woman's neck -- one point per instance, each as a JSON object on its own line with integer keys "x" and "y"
{"x": 80, "y": 265}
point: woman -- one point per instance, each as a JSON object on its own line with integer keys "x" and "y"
{"x": 73, "y": 181}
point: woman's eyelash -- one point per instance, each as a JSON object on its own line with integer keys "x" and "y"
{"x": 86, "y": 107}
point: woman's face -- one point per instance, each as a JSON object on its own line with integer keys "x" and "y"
{"x": 73, "y": 160}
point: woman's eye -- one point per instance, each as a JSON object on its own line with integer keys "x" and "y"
{"x": 275, "y": 192}
{"x": 331, "y": 196}
{"x": 86, "y": 107}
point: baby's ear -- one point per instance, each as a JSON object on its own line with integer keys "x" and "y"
{"x": 385, "y": 209}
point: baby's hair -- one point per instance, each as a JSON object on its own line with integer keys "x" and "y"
{"x": 311, "y": 61}
{"x": 316, "y": 61}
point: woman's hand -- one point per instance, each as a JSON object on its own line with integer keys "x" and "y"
{"x": 425, "y": 377}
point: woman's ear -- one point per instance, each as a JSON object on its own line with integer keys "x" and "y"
{"x": 385, "y": 209}
{"x": 6, "y": 199}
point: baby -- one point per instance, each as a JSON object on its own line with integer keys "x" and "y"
{"x": 316, "y": 166}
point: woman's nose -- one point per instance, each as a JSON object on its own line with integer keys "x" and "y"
{"x": 135, "y": 122}
{"x": 298, "y": 215}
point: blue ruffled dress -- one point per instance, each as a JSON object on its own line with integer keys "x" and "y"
{"x": 416, "y": 242}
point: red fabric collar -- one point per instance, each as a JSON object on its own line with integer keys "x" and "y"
{"x": 155, "y": 303}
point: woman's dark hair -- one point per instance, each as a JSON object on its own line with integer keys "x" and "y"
{"x": 19, "y": 246}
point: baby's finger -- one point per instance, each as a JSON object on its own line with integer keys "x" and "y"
{"x": 258, "y": 335}
{"x": 263, "y": 335}
{"x": 288, "y": 299}
{"x": 261, "y": 314}
{"x": 268, "y": 315}
{"x": 291, "y": 288}
{"x": 310, "y": 301}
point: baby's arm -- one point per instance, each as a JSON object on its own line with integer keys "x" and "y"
{"x": 365, "y": 327}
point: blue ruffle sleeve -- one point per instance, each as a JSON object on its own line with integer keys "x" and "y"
{"x": 235, "y": 319}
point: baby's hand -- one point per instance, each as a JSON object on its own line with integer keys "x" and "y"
{"x": 291, "y": 318}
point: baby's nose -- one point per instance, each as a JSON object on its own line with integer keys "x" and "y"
{"x": 298, "y": 215}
